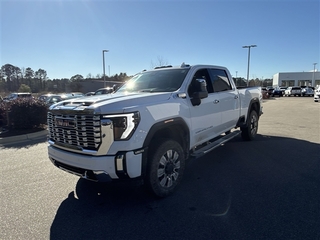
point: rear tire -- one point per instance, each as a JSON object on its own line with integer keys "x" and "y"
{"x": 166, "y": 165}
{"x": 249, "y": 132}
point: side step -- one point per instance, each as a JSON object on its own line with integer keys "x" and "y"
{"x": 212, "y": 145}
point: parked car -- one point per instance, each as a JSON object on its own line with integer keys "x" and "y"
{"x": 14, "y": 96}
{"x": 52, "y": 99}
{"x": 292, "y": 91}
{"x": 44, "y": 97}
{"x": 75, "y": 94}
{"x": 270, "y": 90}
{"x": 317, "y": 94}
{"x": 282, "y": 90}
{"x": 264, "y": 92}
{"x": 105, "y": 90}
{"x": 277, "y": 92}
{"x": 307, "y": 91}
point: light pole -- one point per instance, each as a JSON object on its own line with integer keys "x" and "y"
{"x": 250, "y": 46}
{"x": 313, "y": 78}
{"x": 104, "y": 68}
{"x": 236, "y": 78}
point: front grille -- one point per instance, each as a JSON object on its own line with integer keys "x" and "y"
{"x": 75, "y": 131}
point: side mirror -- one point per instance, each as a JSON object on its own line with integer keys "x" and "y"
{"x": 200, "y": 93}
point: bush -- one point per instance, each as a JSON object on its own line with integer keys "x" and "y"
{"x": 3, "y": 114}
{"x": 24, "y": 88}
{"x": 26, "y": 113}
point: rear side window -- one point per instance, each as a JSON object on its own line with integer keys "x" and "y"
{"x": 220, "y": 81}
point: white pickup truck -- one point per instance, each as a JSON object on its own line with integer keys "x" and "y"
{"x": 152, "y": 125}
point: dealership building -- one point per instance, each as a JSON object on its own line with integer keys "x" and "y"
{"x": 287, "y": 79}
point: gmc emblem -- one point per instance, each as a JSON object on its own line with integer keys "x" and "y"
{"x": 60, "y": 122}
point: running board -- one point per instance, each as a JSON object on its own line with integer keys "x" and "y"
{"x": 212, "y": 145}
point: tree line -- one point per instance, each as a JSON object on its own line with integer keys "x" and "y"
{"x": 240, "y": 82}
{"x": 15, "y": 79}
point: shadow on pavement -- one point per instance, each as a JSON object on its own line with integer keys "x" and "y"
{"x": 264, "y": 189}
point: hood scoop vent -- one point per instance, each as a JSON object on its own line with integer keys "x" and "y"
{"x": 76, "y": 104}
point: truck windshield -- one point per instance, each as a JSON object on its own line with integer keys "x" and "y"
{"x": 164, "y": 80}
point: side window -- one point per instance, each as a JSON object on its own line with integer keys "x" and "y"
{"x": 220, "y": 81}
{"x": 200, "y": 74}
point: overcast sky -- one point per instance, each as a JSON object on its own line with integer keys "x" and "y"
{"x": 66, "y": 38}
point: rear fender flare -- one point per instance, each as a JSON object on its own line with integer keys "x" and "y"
{"x": 253, "y": 105}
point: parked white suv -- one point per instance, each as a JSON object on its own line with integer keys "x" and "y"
{"x": 292, "y": 91}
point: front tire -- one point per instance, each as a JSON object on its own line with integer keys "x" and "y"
{"x": 250, "y": 131}
{"x": 166, "y": 165}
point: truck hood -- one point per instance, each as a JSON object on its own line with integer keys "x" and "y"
{"x": 110, "y": 103}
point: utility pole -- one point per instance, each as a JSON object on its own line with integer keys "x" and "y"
{"x": 104, "y": 68}
{"x": 249, "y": 47}
{"x": 313, "y": 82}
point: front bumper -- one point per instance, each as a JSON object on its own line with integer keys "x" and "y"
{"x": 97, "y": 168}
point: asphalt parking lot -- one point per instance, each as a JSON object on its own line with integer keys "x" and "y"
{"x": 264, "y": 189}
{"x": 295, "y": 117}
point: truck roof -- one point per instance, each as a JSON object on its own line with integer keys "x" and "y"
{"x": 184, "y": 66}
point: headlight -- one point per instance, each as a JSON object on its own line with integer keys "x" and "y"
{"x": 123, "y": 125}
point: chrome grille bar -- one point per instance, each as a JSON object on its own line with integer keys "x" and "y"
{"x": 75, "y": 131}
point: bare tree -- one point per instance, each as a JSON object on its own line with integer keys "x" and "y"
{"x": 160, "y": 62}
{"x": 89, "y": 76}
{"x": 23, "y": 71}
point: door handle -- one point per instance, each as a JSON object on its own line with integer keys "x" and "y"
{"x": 216, "y": 101}
{"x": 236, "y": 97}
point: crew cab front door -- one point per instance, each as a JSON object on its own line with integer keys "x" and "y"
{"x": 206, "y": 117}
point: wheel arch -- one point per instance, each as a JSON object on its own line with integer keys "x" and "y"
{"x": 253, "y": 105}
{"x": 256, "y": 106}
{"x": 174, "y": 128}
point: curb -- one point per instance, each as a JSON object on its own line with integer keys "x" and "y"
{"x": 24, "y": 138}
